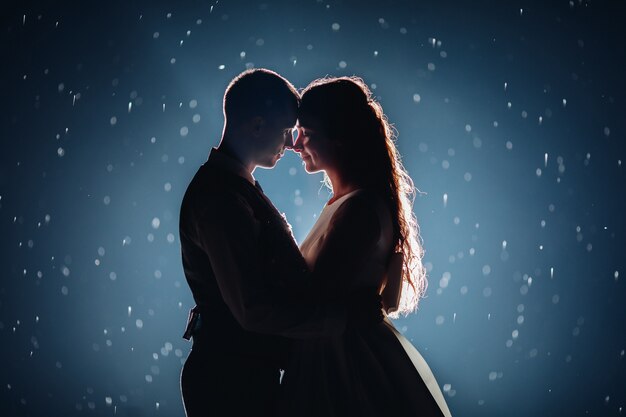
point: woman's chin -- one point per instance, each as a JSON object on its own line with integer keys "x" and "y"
{"x": 309, "y": 167}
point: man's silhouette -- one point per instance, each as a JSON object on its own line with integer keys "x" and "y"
{"x": 241, "y": 262}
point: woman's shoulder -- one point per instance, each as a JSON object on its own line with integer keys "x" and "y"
{"x": 367, "y": 195}
{"x": 373, "y": 206}
{"x": 362, "y": 204}
{"x": 368, "y": 199}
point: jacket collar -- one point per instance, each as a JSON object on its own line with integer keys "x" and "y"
{"x": 224, "y": 161}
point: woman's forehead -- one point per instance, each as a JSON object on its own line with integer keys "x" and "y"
{"x": 309, "y": 122}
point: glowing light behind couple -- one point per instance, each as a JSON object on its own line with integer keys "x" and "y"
{"x": 516, "y": 145}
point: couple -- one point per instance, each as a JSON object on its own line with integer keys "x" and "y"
{"x": 285, "y": 331}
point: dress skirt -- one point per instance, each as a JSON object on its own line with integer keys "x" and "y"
{"x": 364, "y": 372}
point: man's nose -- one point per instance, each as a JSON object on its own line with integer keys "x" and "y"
{"x": 288, "y": 141}
{"x": 296, "y": 139}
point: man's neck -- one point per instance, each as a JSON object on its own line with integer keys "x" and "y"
{"x": 236, "y": 154}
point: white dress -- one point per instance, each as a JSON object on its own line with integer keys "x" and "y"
{"x": 373, "y": 371}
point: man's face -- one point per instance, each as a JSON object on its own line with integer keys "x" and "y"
{"x": 272, "y": 139}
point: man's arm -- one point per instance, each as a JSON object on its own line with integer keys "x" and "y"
{"x": 229, "y": 234}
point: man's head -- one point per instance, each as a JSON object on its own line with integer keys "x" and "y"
{"x": 260, "y": 107}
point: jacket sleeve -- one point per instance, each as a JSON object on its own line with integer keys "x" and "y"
{"x": 228, "y": 233}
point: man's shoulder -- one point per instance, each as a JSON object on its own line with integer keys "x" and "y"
{"x": 210, "y": 181}
{"x": 213, "y": 190}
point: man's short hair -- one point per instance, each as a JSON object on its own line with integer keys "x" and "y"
{"x": 259, "y": 92}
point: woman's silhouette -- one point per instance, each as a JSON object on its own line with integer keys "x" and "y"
{"x": 365, "y": 237}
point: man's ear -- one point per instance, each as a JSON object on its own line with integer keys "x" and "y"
{"x": 257, "y": 124}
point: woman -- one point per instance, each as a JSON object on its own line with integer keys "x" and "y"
{"x": 366, "y": 237}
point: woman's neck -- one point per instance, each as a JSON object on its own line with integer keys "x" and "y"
{"x": 341, "y": 186}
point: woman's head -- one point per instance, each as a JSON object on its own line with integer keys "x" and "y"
{"x": 336, "y": 122}
{"x": 344, "y": 129}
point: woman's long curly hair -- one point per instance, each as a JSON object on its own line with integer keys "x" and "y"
{"x": 343, "y": 109}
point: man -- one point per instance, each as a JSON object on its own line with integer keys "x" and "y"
{"x": 242, "y": 264}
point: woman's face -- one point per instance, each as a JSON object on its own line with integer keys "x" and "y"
{"x": 315, "y": 149}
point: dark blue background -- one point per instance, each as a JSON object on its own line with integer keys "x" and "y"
{"x": 524, "y": 313}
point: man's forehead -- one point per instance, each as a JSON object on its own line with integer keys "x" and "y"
{"x": 289, "y": 118}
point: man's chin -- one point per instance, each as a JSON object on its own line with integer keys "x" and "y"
{"x": 270, "y": 163}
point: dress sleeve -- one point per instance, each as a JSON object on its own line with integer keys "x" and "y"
{"x": 351, "y": 240}
{"x": 229, "y": 234}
